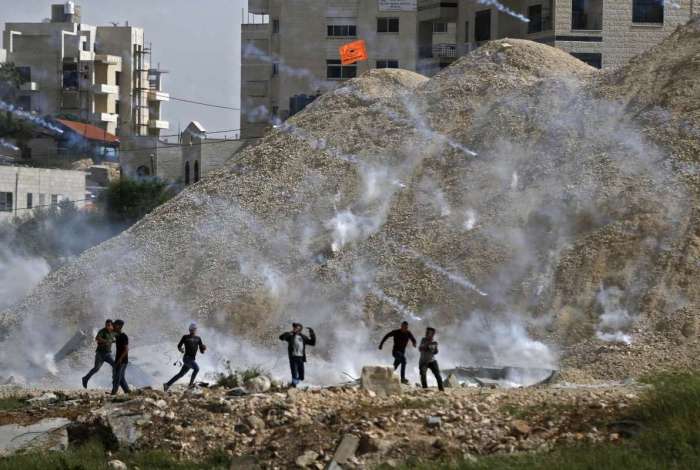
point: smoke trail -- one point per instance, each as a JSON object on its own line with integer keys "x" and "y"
{"x": 615, "y": 320}
{"x": 252, "y": 52}
{"x": 504, "y": 9}
{"x": 21, "y": 114}
{"x": 456, "y": 278}
{"x": 470, "y": 219}
{"x": 398, "y": 306}
{"x": 8, "y": 145}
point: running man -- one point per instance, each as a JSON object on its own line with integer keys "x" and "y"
{"x": 296, "y": 349}
{"x": 428, "y": 350}
{"x": 401, "y": 338}
{"x": 119, "y": 370}
{"x": 103, "y": 353}
{"x": 189, "y": 345}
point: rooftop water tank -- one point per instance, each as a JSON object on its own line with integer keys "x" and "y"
{"x": 69, "y": 8}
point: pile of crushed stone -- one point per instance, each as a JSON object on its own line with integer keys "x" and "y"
{"x": 531, "y": 208}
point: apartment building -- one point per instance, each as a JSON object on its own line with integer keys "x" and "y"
{"x": 290, "y": 49}
{"x": 22, "y": 189}
{"x": 102, "y": 74}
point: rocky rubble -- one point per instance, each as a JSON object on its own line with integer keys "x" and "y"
{"x": 340, "y": 427}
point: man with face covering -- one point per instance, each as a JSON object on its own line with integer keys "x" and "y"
{"x": 189, "y": 345}
{"x": 296, "y": 349}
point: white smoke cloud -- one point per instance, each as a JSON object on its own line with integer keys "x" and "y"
{"x": 615, "y": 321}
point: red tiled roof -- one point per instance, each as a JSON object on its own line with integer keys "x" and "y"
{"x": 90, "y": 132}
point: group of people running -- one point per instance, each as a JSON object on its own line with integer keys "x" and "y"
{"x": 190, "y": 344}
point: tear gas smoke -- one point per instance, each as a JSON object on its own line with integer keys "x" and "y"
{"x": 504, "y": 9}
{"x": 470, "y": 219}
{"x": 27, "y": 116}
{"x": 8, "y": 145}
{"x": 18, "y": 276}
{"x": 615, "y": 321}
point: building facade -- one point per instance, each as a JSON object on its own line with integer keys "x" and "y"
{"x": 101, "y": 74}
{"x": 290, "y": 49}
{"x": 23, "y": 189}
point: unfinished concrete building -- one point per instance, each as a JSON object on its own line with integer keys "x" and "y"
{"x": 290, "y": 49}
{"x": 101, "y": 74}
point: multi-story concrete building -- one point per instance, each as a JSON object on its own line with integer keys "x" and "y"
{"x": 22, "y": 189}
{"x": 290, "y": 49}
{"x": 101, "y": 74}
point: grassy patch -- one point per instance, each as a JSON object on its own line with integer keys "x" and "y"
{"x": 92, "y": 456}
{"x": 670, "y": 438}
{"x": 232, "y": 378}
{"x": 9, "y": 404}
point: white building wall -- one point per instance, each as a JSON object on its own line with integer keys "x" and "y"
{"x": 44, "y": 185}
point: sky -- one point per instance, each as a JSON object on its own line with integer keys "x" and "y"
{"x": 198, "y": 42}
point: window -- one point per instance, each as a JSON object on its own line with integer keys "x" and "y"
{"x": 647, "y": 11}
{"x": 117, "y": 107}
{"x": 587, "y": 15}
{"x": 86, "y": 44}
{"x": 275, "y": 111}
{"x": 342, "y": 30}
{"x": 30, "y": 200}
{"x": 439, "y": 27}
{"x": 387, "y": 25}
{"x": 70, "y": 76}
{"x": 275, "y": 69}
{"x": 187, "y": 173}
{"x": 388, "y": 64}
{"x": 6, "y": 202}
{"x": 196, "y": 171}
{"x": 466, "y": 31}
{"x": 482, "y": 25}
{"x": 42, "y": 199}
{"x": 25, "y": 74}
{"x": 25, "y": 102}
{"x": 334, "y": 70}
{"x": 534, "y": 12}
{"x": 117, "y": 78}
{"x": 54, "y": 199}
{"x": 592, "y": 59}
{"x": 275, "y": 26}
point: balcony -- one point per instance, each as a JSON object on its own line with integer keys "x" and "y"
{"x": 29, "y": 86}
{"x": 87, "y": 56}
{"x": 108, "y": 59}
{"x": 104, "y": 117}
{"x": 157, "y": 95}
{"x": 434, "y": 10}
{"x": 157, "y": 124}
{"x": 104, "y": 89}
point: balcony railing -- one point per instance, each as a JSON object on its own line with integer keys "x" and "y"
{"x": 104, "y": 89}
{"x": 158, "y": 124}
{"x": 156, "y": 95}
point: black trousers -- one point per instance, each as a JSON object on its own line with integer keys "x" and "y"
{"x": 119, "y": 379}
{"x": 296, "y": 364}
{"x": 187, "y": 364}
{"x": 435, "y": 369}
{"x": 400, "y": 360}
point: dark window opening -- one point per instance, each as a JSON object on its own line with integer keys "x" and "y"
{"x": 118, "y": 78}
{"x": 25, "y": 74}
{"x": 334, "y": 70}
{"x": 275, "y": 69}
{"x": 439, "y": 27}
{"x": 187, "y": 173}
{"x": 482, "y": 26}
{"x": 6, "y": 202}
{"x": 275, "y": 26}
{"x": 196, "y": 171}
{"x": 299, "y": 102}
{"x": 466, "y": 31}
{"x": 387, "y": 64}
{"x": 648, "y": 11}
{"x": 143, "y": 171}
{"x": 25, "y": 102}
{"x": 534, "y": 13}
{"x": 387, "y": 25}
{"x": 592, "y": 59}
{"x": 54, "y": 199}
{"x": 117, "y": 107}
{"x": 30, "y": 200}
{"x": 587, "y": 15}
{"x": 70, "y": 76}
{"x": 86, "y": 45}
{"x": 342, "y": 30}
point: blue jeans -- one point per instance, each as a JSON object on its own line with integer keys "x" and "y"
{"x": 296, "y": 364}
{"x": 100, "y": 358}
{"x": 187, "y": 364}
{"x": 400, "y": 360}
{"x": 119, "y": 378}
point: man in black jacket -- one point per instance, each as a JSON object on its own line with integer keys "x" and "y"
{"x": 401, "y": 338}
{"x": 296, "y": 348}
{"x": 189, "y": 345}
{"x": 119, "y": 370}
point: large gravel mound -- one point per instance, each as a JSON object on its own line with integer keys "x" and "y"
{"x": 524, "y": 203}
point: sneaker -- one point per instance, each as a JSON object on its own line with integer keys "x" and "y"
{"x": 85, "y": 381}
{"x": 405, "y": 381}
{"x": 166, "y": 387}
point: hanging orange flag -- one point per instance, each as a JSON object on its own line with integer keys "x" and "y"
{"x": 353, "y": 52}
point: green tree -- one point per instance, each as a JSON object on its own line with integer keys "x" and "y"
{"x": 127, "y": 200}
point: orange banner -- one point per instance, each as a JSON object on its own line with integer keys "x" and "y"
{"x": 353, "y": 52}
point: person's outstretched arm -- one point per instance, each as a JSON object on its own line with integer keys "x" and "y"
{"x": 202, "y": 347}
{"x": 285, "y": 336}
{"x": 412, "y": 338}
{"x": 311, "y": 340}
{"x": 181, "y": 344}
{"x": 386, "y": 337}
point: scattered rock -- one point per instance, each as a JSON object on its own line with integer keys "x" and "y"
{"x": 451, "y": 381}
{"x": 259, "y": 384}
{"x": 48, "y": 397}
{"x": 47, "y": 434}
{"x": 237, "y": 392}
{"x": 306, "y": 459}
{"x": 255, "y": 423}
{"x": 434, "y": 421}
{"x": 518, "y": 427}
{"x": 346, "y": 449}
{"x": 116, "y": 465}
